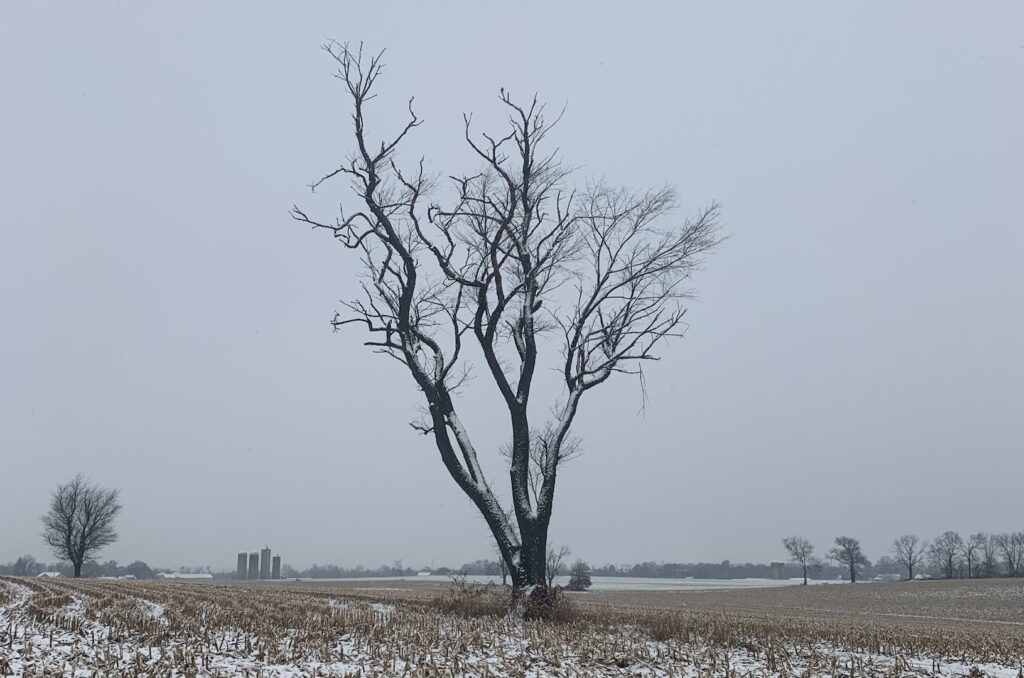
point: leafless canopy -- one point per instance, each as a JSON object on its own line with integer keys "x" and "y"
{"x": 510, "y": 257}
{"x": 944, "y": 553}
{"x": 556, "y": 561}
{"x": 909, "y": 552}
{"x": 802, "y": 552}
{"x": 1010, "y": 545}
{"x": 847, "y": 552}
{"x": 974, "y": 545}
{"x": 80, "y": 521}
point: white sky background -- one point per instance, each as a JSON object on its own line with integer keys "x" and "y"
{"x": 854, "y": 364}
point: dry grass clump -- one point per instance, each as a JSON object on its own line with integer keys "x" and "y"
{"x": 467, "y": 600}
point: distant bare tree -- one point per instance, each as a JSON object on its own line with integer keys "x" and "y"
{"x": 989, "y": 557}
{"x": 502, "y": 566}
{"x": 543, "y": 451}
{"x": 555, "y": 561}
{"x": 909, "y": 551}
{"x": 1010, "y": 545}
{"x": 80, "y": 521}
{"x": 945, "y": 551}
{"x": 973, "y": 548}
{"x": 26, "y": 566}
{"x": 516, "y": 255}
{"x": 848, "y": 552}
{"x": 801, "y": 551}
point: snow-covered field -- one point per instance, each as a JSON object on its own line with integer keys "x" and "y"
{"x": 108, "y": 628}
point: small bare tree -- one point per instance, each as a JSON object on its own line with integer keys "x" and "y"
{"x": 502, "y": 566}
{"x": 848, "y": 552}
{"x": 555, "y": 561}
{"x": 543, "y": 451}
{"x": 909, "y": 551}
{"x": 801, "y": 552}
{"x": 80, "y": 521}
{"x": 515, "y": 254}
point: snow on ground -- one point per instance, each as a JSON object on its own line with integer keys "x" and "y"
{"x": 385, "y": 639}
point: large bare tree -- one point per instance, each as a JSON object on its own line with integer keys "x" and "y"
{"x": 909, "y": 551}
{"x": 517, "y": 260}
{"x": 80, "y": 520}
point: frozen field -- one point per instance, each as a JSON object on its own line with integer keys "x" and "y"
{"x": 112, "y": 628}
{"x": 599, "y": 583}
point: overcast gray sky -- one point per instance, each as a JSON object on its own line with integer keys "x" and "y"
{"x": 854, "y": 363}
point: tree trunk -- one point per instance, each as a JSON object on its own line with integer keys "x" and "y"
{"x": 78, "y": 568}
{"x": 910, "y": 572}
{"x": 805, "y": 575}
{"x": 534, "y": 556}
{"x": 853, "y": 573}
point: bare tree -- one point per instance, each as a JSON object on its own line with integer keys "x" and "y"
{"x": 944, "y": 553}
{"x": 989, "y": 557}
{"x": 80, "y": 521}
{"x": 518, "y": 255}
{"x": 973, "y": 548}
{"x": 802, "y": 552}
{"x": 502, "y": 566}
{"x": 555, "y": 561}
{"x": 1010, "y": 546}
{"x": 848, "y": 552}
{"x": 909, "y": 551}
{"x": 542, "y": 451}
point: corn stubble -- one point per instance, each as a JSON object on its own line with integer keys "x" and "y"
{"x": 115, "y": 628}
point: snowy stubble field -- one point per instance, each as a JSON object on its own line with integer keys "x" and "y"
{"x": 116, "y": 628}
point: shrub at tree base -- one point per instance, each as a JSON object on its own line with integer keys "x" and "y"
{"x": 580, "y": 578}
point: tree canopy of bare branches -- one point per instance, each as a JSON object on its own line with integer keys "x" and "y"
{"x": 945, "y": 553}
{"x": 847, "y": 552}
{"x": 973, "y": 547}
{"x": 555, "y": 562}
{"x": 80, "y": 521}
{"x": 909, "y": 551}
{"x": 802, "y": 552}
{"x": 1010, "y": 545}
{"x": 518, "y": 260}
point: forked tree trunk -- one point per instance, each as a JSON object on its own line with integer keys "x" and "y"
{"x": 514, "y": 235}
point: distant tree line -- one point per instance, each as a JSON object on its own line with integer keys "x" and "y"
{"x": 28, "y": 566}
{"x": 948, "y": 556}
{"x": 720, "y": 570}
